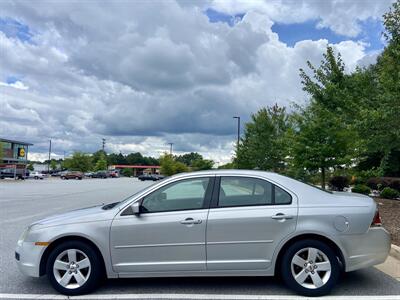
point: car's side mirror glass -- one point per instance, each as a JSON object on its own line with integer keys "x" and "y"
{"x": 136, "y": 208}
{"x": 133, "y": 209}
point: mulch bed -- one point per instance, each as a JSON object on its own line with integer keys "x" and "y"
{"x": 389, "y": 211}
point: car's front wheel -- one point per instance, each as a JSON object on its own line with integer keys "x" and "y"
{"x": 74, "y": 268}
{"x": 310, "y": 268}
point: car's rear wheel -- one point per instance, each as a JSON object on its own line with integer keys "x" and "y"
{"x": 310, "y": 268}
{"x": 74, "y": 268}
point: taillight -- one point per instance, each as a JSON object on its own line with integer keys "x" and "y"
{"x": 377, "y": 219}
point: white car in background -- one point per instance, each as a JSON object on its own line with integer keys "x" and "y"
{"x": 36, "y": 175}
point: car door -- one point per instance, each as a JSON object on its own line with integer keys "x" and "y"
{"x": 247, "y": 220}
{"x": 168, "y": 234}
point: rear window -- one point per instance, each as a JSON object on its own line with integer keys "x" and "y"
{"x": 247, "y": 191}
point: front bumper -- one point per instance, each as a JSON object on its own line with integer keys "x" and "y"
{"x": 29, "y": 258}
{"x": 366, "y": 250}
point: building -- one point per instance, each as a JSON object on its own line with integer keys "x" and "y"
{"x": 14, "y": 158}
{"x": 137, "y": 169}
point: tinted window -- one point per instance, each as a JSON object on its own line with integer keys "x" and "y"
{"x": 181, "y": 195}
{"x": 281, "y": 196}
{"x": 241, "y": 191}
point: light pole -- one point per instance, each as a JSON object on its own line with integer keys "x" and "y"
{"x": 48, "y": 165}
{"x": 170, "y": 148}
{"x": 238, "y": 131}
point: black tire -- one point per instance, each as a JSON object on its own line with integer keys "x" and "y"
{"x": 96, "y": 275}
{"x": 288, "y": 277}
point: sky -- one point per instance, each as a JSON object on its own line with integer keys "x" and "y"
{"x": 142, "y": 74}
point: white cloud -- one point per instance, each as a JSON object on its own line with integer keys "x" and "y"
{"x": 341, "y": 16}
{"x": 144, "y": 75}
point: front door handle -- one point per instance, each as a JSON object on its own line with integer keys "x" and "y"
{"x": 190, "y": 221}
{"x": 281, "y": 216}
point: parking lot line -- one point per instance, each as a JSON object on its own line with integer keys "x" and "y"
{"x": 189, "y": 296}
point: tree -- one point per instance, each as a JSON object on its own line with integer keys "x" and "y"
{"x": 1, "y": 151}
{"x": 167, "y": 165}
{"x": 127, "y": 172}
{"x": 101, "y": 163}
{"x": 98, "y": 155}
{"x": 264, "y": 145}
{"x": 170, "y": 167}
{"x": 53, "y": 165}
{"x": 189, "y": 158}
{"x": 323, "y": 136}
{"x": 378, "y": 88}
{"x": 78, "y": 162}
{"x": 202, "y": 164}
{"x": 30, "y": 167}
{"x": 320, "y": 141}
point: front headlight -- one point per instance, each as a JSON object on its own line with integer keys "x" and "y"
{"x": 24, "y": 234}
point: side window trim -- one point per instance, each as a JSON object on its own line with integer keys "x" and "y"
{"x": 217, "y": 186}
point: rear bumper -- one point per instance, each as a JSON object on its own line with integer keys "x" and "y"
{"x": 27, "y": 257}
{"x": 366, "y": 250}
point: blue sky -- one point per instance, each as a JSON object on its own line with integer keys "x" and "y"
{"x": 14, "y": 29}
{"x": 295, "y": 32}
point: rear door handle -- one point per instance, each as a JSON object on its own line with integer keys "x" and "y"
{"x": 190, "y": 221}
{"x": 281, "y": 216}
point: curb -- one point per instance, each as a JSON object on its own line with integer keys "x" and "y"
{"x": 395, "y": 251}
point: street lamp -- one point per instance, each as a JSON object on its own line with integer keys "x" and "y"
{"x": 238, "y": 131}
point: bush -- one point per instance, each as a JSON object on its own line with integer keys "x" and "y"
{"x": 361, "y": 189}
{"x": 127, "y": 172}
{"x": 338, "y": 183}
{"x": 379, "y": 183}
{"x": 361, "y": 177}
{"x": 389, "y": 193}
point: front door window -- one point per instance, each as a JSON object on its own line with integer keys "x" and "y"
{"x": 182, "y": 195}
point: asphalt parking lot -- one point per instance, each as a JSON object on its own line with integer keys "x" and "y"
{"x": 22, "y": 202}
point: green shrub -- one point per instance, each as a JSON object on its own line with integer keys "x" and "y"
{"x": 127, "y": 172}
{"x": 361, "y": 189}
{"x": 389, "y": 193}
{"x": 338, "y": 183}
{"x": 361, "y": 177}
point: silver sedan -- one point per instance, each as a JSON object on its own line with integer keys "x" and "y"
{"x": 212, "y": 223}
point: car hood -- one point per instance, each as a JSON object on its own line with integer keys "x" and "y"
{"x": 88, "y": 214}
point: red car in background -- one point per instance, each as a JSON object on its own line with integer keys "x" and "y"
{"x": 113, "y": 174}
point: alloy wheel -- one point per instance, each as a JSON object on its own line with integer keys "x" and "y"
{"x": 72, "y": 268}
{"x": 311, "y": 268}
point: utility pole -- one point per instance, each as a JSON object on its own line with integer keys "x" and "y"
{"x": 48, "y": 165}
{"x": 104, "y": 143}
{"x": 170, "y": 148}
{"x": 238, "y": 131}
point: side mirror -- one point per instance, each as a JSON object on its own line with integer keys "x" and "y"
{"x": 136, "y": 207}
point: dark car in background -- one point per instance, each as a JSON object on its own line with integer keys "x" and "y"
{"x": 72, "y": 175}
{"x": 153, "y": 177}
{"x": 100, "y": 174}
